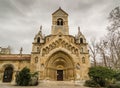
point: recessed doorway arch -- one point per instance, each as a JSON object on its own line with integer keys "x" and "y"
{"x": 59, "y": 66}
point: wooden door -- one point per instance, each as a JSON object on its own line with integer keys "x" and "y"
{"x": 59, "y": 75}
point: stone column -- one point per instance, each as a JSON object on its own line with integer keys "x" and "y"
{"x": 13, "y": 78}
{"x": 1, "y": 76}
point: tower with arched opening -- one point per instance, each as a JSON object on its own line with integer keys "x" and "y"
{"x": 61, "y": 56}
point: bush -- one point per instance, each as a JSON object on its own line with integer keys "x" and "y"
{"x": 117, "y": 76}
{"x": 114, "y": 86}
{"x": 101, "y": 75}
{"x": 23, "y": 77}
{"x": 34, "y": 79}
{"x": 91, "y": 83}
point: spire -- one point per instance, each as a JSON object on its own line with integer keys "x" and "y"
{"x": 21, "y": 49}
{"x": 79, "y": 33}
{"x": 41, "y": 28}
{"x": 59, "y": 7}
{"x": 40, "y": 32}
{"x": 78, "y": 29}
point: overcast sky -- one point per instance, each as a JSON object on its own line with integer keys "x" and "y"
{"x": 20, "y": 19}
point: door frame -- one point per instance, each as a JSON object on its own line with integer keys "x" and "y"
{"x": 8, "y": 73}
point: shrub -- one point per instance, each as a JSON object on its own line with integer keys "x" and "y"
{"x": 34, "y": 79}
{"x": 23, "y": 77}
{"x": 91, "y": 83}
{"x": 114, "y": 86}
{"x": 117, "y": 76}
{"x": 101, "y": 75}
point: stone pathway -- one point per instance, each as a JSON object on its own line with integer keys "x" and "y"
{"x": 48, "y": 84}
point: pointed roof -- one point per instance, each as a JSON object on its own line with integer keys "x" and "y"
{"x": 60, "y": 10}
{"x": 79, "y": 32}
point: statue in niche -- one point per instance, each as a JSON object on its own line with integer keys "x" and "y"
{"x": 42, "y": 66}
{"x": 36, "y": 59}
{"x": 21, "y": 50}
{"x": 78, "y": 66}
{"x": 78, "y": 71}
{"x": 77, "y": 76}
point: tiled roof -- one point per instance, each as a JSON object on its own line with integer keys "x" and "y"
{"x": 15, "y": 57}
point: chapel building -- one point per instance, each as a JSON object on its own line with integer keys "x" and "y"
{"x": 56, "y": 57}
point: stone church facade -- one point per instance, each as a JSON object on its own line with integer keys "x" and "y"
{"x": 58, "y": 56}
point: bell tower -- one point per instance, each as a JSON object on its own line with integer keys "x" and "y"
{"x": 60, "y": 22}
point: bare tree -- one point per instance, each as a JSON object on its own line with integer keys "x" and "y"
{"x": 114, "y": 18}
{"x": 93, "y": 51}
{"x": 102, "y": 49}
{"x": 109, "y": 47}
{"x": 113, "y": 37}
{"x": 114, "y": 48}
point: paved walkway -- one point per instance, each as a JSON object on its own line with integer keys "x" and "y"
{"x": 46, "y": 85}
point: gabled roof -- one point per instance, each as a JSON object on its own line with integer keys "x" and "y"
{"x": 59, "y": 10}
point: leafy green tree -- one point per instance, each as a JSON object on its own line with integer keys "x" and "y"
{"x": 23, "y": 77}
{"x": 117, "y": 75}
{"x": 101, "y": 75}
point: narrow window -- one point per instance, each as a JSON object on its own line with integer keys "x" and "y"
{"x": 83, "y": 60}
{"x": 38, "y": 50}
{"x": 57, "y": 22}
{"x": 81, "y": 40}
{"x": 38, "y": 40}
{"x": 60, "y": 22}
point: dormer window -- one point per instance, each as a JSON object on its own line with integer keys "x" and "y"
{"x": 81, "y": 40}
{"x": 60, "y": 22}
{"x": 38, "y": 40}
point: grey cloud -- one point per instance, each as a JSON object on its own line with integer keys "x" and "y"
{"x": 20, "y": 19}
{"x": 7, "y": 9}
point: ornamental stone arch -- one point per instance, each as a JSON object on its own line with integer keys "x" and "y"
{"x": 61, "y": 64}
{"x": 7, "y": 65}
{"x": 60, "y": 43}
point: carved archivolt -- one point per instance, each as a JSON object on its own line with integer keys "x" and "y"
{"x": 60, "y": 43}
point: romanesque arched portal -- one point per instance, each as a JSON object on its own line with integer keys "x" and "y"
{"x": 59, "y": 66}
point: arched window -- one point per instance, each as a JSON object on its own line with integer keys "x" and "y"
{"x": 7, "y": 77}
{"x": 38, "y": 40}
{"x": 81, "y": 40}
{"x": 83, "y": 60}
{"x": 60, "y": 22}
